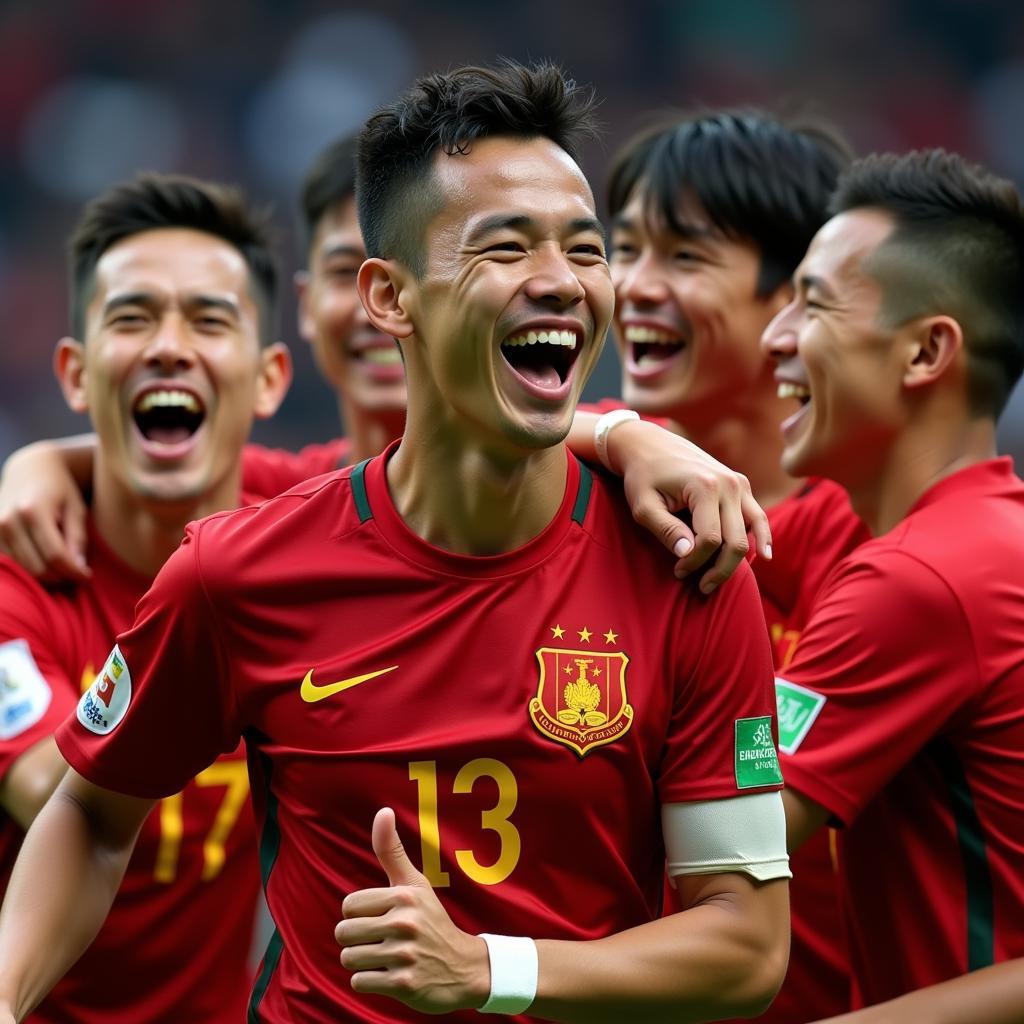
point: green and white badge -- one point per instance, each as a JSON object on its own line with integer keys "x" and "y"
{"x": 757, "y": 763}
{"x": 797, "y": 708}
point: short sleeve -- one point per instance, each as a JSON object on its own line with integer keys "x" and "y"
{"x": 161, "y": 708}
{"x": 36, "y": 692}
{"x": 721, "y": 737}
{"x": 886, "y": 659}
{"x": 267, "y": 472}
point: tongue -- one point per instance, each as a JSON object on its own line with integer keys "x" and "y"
{"x": 168, "y": 435}
{"x": 540, "y": 376}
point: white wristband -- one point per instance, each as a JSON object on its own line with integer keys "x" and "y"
{"x": 513, "y": 974}
{"x": 604, "y": 427}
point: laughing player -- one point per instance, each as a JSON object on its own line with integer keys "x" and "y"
{"x": 904, "y": 340}
{"x": 173, "y": 286}
{"x": 468, "y": 629}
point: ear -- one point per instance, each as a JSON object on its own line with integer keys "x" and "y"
{"x": 935, "y": 344}
{"x": 69, "y": 369}
{"x": 381, "y": 285}
{"x": 274, "y": 380}
{"x": 305, "y": 321}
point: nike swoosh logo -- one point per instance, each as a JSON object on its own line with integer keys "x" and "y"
{"x": 311, "y": 693}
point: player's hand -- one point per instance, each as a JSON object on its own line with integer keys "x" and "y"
{"x": 400, "y": 942}
{"x": 663, "y": 474}
{"x": 42, "y": 515}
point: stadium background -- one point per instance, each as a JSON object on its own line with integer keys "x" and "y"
{"x": 249, "y": 90}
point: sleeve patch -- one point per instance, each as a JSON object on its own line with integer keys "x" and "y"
{"x": 24, "y": 693}
{"x": 757, "y": 763}
{"x": 105, "y": 703}
{"x": 798, "y": 707}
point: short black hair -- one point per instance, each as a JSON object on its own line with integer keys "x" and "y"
{"x": 329, "y": 182}
{"x": 757, "y": 178}
{"x": 957, "y": 248}
{"x": 396, "y": 190}
{"x": 152, "y": 201}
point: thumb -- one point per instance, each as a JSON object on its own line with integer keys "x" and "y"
{"x": 391, "y": 853}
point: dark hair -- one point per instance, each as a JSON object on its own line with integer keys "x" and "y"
{"x": 756, "y": 177}
{"x": 153, "y": 201}
{"x": 328, "y": 183}
{"x": 957, "y": 248}
{"x": 396, "y": 190}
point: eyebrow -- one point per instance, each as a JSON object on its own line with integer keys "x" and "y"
{"x": 809, "y": 281}
{"x": 342, "y": 250}
{"x": 682, "y": 229}
{"x": 521, "y": 222}
{"x": 149, "y": 299}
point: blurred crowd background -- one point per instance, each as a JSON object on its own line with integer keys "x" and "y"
{"x": 92, "y": 91}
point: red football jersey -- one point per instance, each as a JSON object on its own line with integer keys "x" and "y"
{"x": 525, "y": 714}
{"x": 176, "y": 944}
{"x": 270, "y": 471}
{"x": 906, "y": 721}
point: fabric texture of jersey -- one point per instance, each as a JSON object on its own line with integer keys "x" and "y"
{"x": 176, "y": 943}
{"x": 270, "y": 471}
{"x": 913, "y": 663}
{"x": 525, "y": 714}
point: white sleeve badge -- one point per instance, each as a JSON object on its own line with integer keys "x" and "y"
{"x": 105, "y": 703}
{"x": 24, "y": 693}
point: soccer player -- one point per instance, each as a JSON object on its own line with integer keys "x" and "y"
{"x": 710, "y": 217}
{"x": 903, "y": 342}
{"x": 467, "y": 634}
{"x": 173, "y": 288}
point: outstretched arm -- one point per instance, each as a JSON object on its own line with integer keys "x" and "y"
{"x": 664, "y": 474}
{"x": 994, "y": 995}
{"x": 70, "y": 866}
{"x": 42, "y": 514}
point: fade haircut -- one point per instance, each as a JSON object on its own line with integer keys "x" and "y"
{"x": 153, "y": 201}
{"x": 957, "y": 249}
{"x": 396, "y": 186}
{"x": 328, "y": 183}
{"x": 757, "y": 178}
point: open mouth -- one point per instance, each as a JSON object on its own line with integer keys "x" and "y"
{"x": 649, "y": 347}
{"x": 542, "y": 358}
{"x": 168, "y": 416}
{"x": 790, "y": 389}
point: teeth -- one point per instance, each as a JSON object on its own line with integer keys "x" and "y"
{"x": 650, "y": 335}
{"x": 565, "y": 338}
{"x": 382, "y": 356}
{"x": 787, "y": 389}
{"x": 179, "y": 399}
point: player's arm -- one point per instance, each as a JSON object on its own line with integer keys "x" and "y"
{"x": 724, "y": 955}
{"x": 804, "y": 817}
{"x": 67, "y": 873}
{"x": 663, "y": 474}
{"x": 42, "y": 513}
{"x": 993, "y": 995}
{"x": 28, "y": 783}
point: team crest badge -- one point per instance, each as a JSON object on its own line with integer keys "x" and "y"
{"x": 105, "y": 703}
{"x": 581, "y": 698}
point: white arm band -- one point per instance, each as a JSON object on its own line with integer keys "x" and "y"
{"x": 743, "y": 833}
{"x": 604, "y": 426}
{"x": 514, "y": 970}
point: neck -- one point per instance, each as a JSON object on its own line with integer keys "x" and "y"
{"x": 750, "y": 442}
{"x": 916, "y": 462}
{"x": 369, "y": 433}
{"x": 468, "y": 500}
{"x": 143, "y": 532}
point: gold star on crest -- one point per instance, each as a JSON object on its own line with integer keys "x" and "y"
{"x": 557, "y": 632}
{"x": 610, "y": 637}
{"x": 585, "y": 634}
{"x": 568, "y": 670}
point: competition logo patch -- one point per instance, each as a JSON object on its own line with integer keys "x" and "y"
{"x": 757, "y": 763}
{"x": 581, "y": 696}
{"x": 797, "y": 708}
{"x": 104, "y": 704}
{"x": 24, "y": 693}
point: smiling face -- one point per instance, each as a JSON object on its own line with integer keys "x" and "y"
{"x": 835, "y": 357}
{"x": 509, "y": 318}
{"x": 688, "y": 317}
{"x": 357, "y": 361}
{"x": 171, "y": 371}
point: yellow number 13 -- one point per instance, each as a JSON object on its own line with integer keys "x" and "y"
{"x": 424, "y": 774}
